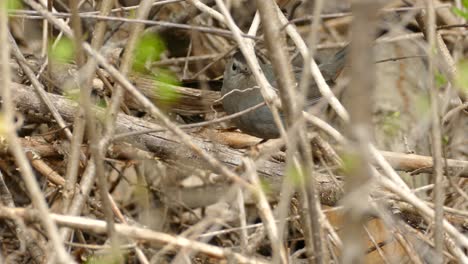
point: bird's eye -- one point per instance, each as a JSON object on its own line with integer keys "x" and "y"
{"x": 234, "y": 67}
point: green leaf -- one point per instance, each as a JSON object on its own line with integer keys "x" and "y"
{"x": 101, "y": 103}
{"x": 465, "y": 3}
{"x": 460, "y": 13}
{"x": 266, "y": 186}
{"x": 294, "y": 176}
{"x": 440, "y": 79}
{"x": 446, "y": 140}
{"x": 422, "y": 104}
{"x": 14, "y": 5}
{"x": 63, "y": 52}
{"x": 461, "y": 78}
{"x": 149, "y": 49}
{"x": 350, "y": 162}
{"x": 164, "y": 85}
{"x": 72, "y": 94}
{"x": 105, "y": 259}
{"x": 391, "y": 124}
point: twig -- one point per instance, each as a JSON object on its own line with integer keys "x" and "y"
{"x": 27, "y": 100}
{"x": 454, "y": 111}
{"x": 184, "y": 138}
{"x": 14, "y": 146}
{"x": 204, "y": 29}
{"x": 38, "y": 86}
{"x": 247, "y": 50}
{"x": 243, "y": 221}
{"x": 33, "y": 243}
{"x": 389, "y": 172}
{"x": 316, "y": 218}
{"x": 99, "y": 227}
{"x": 79, "y": 123}
{"x": 100, "y": 143}
{"x": 362, "y": 86}
{"x": 425, "y": 209}
{"x": 427, "y": 21}
{"x": 199, "y": 124}
{"x": 266, "y": 214}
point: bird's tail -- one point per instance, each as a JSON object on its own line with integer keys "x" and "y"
{"x": 335, "y": 65}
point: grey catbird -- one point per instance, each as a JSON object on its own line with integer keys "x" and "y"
{"x": 240, "y": 91}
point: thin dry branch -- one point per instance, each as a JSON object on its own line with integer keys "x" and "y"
{"x": 12, "y": 138}
{"x": 162, "y": 145}
{"x": 99, "y": 227}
